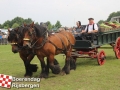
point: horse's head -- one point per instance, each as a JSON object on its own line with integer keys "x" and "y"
{"x": 29, "y": 35}
{"x": 14, "y": 38}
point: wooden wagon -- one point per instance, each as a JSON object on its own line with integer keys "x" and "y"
{"x": 84, "y": 48}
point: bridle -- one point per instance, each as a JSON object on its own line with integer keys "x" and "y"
{"x": 33, "y": 35}
{"x": 18, "y": 37}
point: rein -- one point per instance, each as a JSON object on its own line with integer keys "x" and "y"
{"x": 43, "y": 41}
{"x": 41, "y": 45}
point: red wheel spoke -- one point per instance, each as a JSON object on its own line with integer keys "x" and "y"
{"x": 117, "y": 48}
{"x": 101, "y": 57}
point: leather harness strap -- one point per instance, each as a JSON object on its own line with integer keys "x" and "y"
{"x": 68, "y": 39}
{"x": 65, "y": 49}
{"x": 62, "y": 42}
{"x": 45, "y": 40}
{"x": 55, "y": 45}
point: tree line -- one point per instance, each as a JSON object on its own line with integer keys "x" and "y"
{"x": 18, "y": 21}
{"x": 113, "y": 14}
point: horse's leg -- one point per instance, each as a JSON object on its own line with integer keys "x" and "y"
{"x": 55, "y": 62}
{"x": 45, "y": 69}
{"x": 66, "y": 68}
{"x": 54, "y": 66}
{"x": 32, "y": 67}
{"x": 72, "y": 63}
{"x": 26, "y": 63}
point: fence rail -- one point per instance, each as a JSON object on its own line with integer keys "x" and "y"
{"x": 3, "y": 41}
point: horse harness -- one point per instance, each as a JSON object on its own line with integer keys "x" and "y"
{"x": 65, "y": 48}
{"x": 46, "y": 40}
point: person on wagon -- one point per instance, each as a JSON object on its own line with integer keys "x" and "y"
{"x": 90, "y": 30}
{"x": 78, "y": 31}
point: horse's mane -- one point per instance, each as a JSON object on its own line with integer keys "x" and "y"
{"x": 40, "y": 30}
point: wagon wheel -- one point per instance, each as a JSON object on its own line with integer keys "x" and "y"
{"x": 117, "y": 48}
{"x": 101, "y": 57}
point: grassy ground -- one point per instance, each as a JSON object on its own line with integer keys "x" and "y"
{"x": 87, "y": 76}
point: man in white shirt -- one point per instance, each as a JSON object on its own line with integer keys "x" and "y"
{"x": 90, "y": 30}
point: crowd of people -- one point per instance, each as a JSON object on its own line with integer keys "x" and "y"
{"x": 3, "y": 35}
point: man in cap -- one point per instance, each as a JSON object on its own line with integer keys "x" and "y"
{"x": 90, "y": 30}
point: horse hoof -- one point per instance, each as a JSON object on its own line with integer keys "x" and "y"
{"x": 56, "y": 69}
{"x": 28, "y": 75}
{"x": 72, "y": 70}
{"x": 66, "y": 70}
{"x": 62, "y": 73}
{"x": 43, "y": 75}
{"x": 56, "y": 72}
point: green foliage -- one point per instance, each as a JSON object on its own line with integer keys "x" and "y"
{"x": 16, "y": 20}
{"x": 53, "y": 26}
{"x": 49, "y": 25}
{"x": 101, "y": 21}
{"x": 114, "y": 14}
{"x": 28, "y": 21}
{"x": 1, "y": 26}
{"x": 58, "y": 24}
{"x": 37, "y": 23}
{"x": 15, "y": 25}
{"x": 6, "y": 24}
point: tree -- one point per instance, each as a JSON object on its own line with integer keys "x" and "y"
{"x": 15, "y": 25}
{"x": 28, "y": 21}
{"x": 49, "y": 25}
{"x": 114, "y": 14}
{"x": 53, "y": 26}
{"x": 37, "y": 23}
{"x": 101, "y": 21}
{"x": 6, "y": 24}
{"x": 110, "y": 16}
{"x": 18, "y": 20}
{"x": 0, "y": 26}
{"x": 58, "y": 24}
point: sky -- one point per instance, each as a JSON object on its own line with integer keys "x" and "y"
{"x": 66, "y": 11}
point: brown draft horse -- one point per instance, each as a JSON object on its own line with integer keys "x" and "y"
{"x": 15, "y": 38}
{"x": 44, "y": 45}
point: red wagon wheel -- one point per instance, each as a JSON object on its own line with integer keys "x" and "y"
{"x": 101, "y": 57}
{"x": 117, "y": 48}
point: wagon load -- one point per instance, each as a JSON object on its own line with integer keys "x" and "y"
{"x": 107, "y": 26}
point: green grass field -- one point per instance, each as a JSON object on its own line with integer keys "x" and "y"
{"x": 88, "y": 75}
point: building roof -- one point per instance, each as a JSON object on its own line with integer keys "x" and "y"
{"x": 116, "y": 17}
